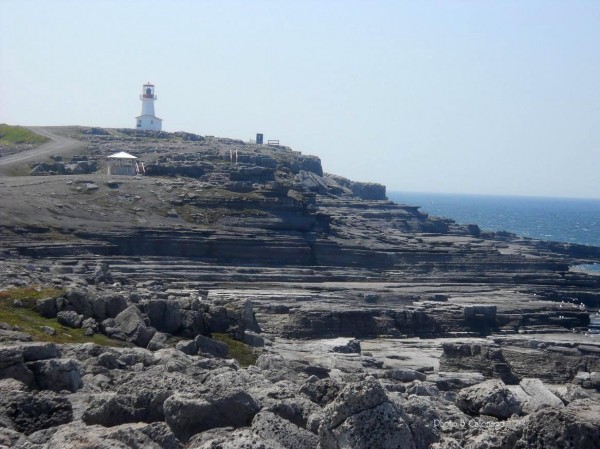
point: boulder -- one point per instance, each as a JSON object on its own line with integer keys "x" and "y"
{"x": 89, "y": 326}
{"x": 381, "y": 427}
{"x": 160, "y": 433}
{"x": 70, "y": 318}
{"x": 296, "y": 410}
{"x": 79, "y": 302}
{"x": 268, "y": 426}
{"x": 229, "y": 438}
{"x": 491, "y": 398}
{"x": 159, "y": 341}
{"x": 419, "y": 388}
{"x": 189, "y": 347}
{"x": 188, "y": 415}
{"x": 537, "y": 396}
{"x": 248, "y": 318}
{"x": 141, "y": 405}
{"x": 575, "y": 426}
{"x": 253, "y": 339}
{"x": 46, "y": 307}
{"x": 39, "y": 351}
{"x": 570, "y": 393}
{"x": 131, "y": 322}
{"x": 343, "y": 345}
{"x": 354, "y": 398}
{"x": 405, "y": 374}
{"x": 362, "y": 416}
{"x": 448, "y": 381}
{"x": 77, "y": 435}
{"x": 7, "y": 386}
{"x": 320, "y": 391}
{"x": 48, "y": 330}
{"x": 101, "y": 272}
{"x": 12, "y": 365}
{"x": 429, "y": 419}
{"x": 209, "y": 346}
{"x": 114, "y": 305}
{"x": 193, "y": 322}
{"x": 57, "y": 374}
{"x": 164, "y": 315}
{"x": 33, "y": 411}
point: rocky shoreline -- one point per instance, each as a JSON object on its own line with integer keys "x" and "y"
{"x": 263, "y": 303}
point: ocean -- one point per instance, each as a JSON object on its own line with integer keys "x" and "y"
{"x": 558, "y": 219}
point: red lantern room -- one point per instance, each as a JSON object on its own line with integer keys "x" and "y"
{"x": 148, "y": 91}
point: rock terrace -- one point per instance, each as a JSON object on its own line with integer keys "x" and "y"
{"x": 237, "y": 296}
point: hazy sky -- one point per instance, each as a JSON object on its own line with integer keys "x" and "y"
{"x": 499, "y": 97}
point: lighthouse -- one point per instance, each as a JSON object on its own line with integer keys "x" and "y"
{"x": 148, "y": 121}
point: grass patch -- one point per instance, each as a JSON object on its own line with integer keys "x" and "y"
{"x": 30, "y": 322}
{"x": 29, "y": 295}
{"x": 15, "y": 135}
{"x": 244, "y": 354}
{"x": 17, "y": 170}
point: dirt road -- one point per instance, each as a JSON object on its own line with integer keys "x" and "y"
{"x": 57, "y": 145}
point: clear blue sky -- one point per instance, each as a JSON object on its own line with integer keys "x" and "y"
{"x": 499, "y": 97}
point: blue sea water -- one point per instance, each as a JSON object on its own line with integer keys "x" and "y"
{"x": 558, "y": 219}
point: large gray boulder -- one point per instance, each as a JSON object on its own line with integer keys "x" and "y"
{"x": 70, "y": 318}
{"x": 164, "y": 315}
{"x": 430, "y": 419}
{"x": 57, "y": 374}
{"x": 193, "y": 322}
{"x": 33, "y": 411}
{"x": 268, "y": 426}
{"x": 39, "y": 351}
{"x": 405, "y": 374}
{"x": 47, "y": 307}
{"x": 209, "y": 346}
{"x": 78, "y": 300}
{"x": 491, "y": 398}
{"x": 320, "y": 391}
{"x": 159, "y": 341}
{"x": 536, "y": 396}
{"x": 229, "y": 438}
{"x": 203, "y": 345}
{"x": 141, "y": 405}
{"x": 108, "y": 305}
{"x": 12, "y": 365}
{"x": 188, "y": 414}
{"x": 363, "y": 417}
{"x": 77, "y": 435}
{"x": 101, "y": 272}
{"x": 131, "y": 322}
{"x": 296, "y": 409}
{"x": 576, "y": 426}
{"x": 380, "y": 427}
{"x": 114, "y": 304}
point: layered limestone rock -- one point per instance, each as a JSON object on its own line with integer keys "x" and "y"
{"x": 373, "y": 325}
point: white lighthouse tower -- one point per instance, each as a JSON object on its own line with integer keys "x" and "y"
{"x": 148, "y": 121}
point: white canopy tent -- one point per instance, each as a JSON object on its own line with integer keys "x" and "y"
{"x": 122, "y": 163}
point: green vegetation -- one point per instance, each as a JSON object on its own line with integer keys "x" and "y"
{"x": 29, "y": 321}
{"x": 15, "y": 135}
{"x": 18, "y": 170}
{"x": 239, "y": 351}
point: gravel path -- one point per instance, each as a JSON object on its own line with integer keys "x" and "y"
{"x": 58, "y": 144}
